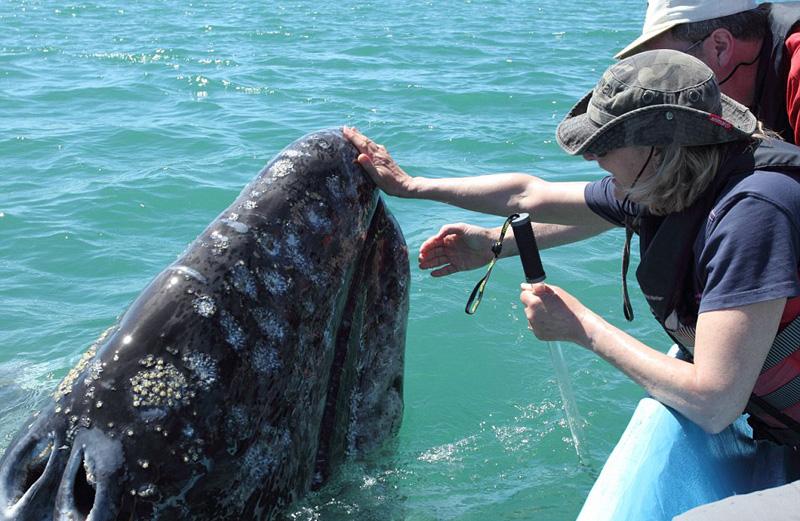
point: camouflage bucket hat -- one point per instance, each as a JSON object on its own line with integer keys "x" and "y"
{"x": 655, "y": 98}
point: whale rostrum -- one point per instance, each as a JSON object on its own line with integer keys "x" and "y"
{"x": 245, "y": 372}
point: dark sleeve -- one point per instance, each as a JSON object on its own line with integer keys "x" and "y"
{"x": 751, "y": 255}
{"x": 600, "y": 198}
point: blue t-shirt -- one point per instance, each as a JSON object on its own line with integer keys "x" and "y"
{"x": 749, "y": 249}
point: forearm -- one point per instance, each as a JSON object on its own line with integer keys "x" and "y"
{"x": 504, "y": 194}
{"x": 669, "y": 380}
{"x": 730, "y": 349}
{"x": 551, "y": 235}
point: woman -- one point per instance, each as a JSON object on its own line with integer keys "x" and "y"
{"x": 717, "y": 210}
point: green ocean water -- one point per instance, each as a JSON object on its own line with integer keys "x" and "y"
{"x": 126, "y": 127}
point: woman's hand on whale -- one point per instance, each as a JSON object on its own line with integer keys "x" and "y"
{"x": 457, "y": 247}
{"x": 380, "y": 165}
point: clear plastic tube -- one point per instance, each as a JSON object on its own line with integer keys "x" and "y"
{"x": 570, "y": 405}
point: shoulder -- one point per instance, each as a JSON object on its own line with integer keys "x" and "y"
{"x": 600, "y": 198}
{"x": 774, "y": 189}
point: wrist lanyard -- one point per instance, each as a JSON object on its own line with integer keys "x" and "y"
{"x": 477, "y": 292}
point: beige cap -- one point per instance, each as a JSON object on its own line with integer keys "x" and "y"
{"x": 663, "y": 15}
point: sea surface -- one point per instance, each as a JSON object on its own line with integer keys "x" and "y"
{"x": 126, "y": 127}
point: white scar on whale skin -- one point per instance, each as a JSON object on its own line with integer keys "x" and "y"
{"x": 188, "y": 273}
{"x": 236, "y": 225}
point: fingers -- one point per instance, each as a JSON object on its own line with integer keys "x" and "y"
{"x": 429, "y": 244}
{"x": 529, "y": 299}
{"x": 355, "y": 137}
{"x": 538, "y": 289}
{"x": 358, "y": 139}
{"x": 366, "y": 163}
{"x": 364, "y": 144}
{"x": 448, "y": 230}
{"x": 438, "y": 240}
{"x": 444, "y": 271}
{"x": 434, "y": 259}
{"x": 433, "y": 253}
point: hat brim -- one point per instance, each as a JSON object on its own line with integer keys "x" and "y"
{"x": 635, "y": 46}
{"x": 657, "y": 125}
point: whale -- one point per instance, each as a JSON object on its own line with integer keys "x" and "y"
{"x": 245, "y": 373}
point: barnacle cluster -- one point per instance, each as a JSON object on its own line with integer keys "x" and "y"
{"x": 161, "y": 384}
{"x": 65, "y": 387}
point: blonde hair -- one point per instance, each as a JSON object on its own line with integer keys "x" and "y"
{"x": 682, "y": 174}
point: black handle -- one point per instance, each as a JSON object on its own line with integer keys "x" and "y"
{"x": 528, "y": 251}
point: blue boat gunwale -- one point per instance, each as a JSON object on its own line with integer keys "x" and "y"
{"x": 664, "y": 465}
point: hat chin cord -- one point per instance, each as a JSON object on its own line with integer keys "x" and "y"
{"x": 636, "y": 179}
{"x": 627, "y": 308}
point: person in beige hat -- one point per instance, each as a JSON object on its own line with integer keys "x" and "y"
{"x": 753, "y": 49}
{"x": 715, "y": 204}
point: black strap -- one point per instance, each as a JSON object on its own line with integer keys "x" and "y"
{"x": 758, "y": 408}
{"x": 627, "y": 309}
{"x": 477, "y": 292}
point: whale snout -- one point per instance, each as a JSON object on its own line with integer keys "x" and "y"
{"x": 43, "y": 479}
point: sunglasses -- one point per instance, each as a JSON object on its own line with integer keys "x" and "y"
{"x": 696, "y": 44}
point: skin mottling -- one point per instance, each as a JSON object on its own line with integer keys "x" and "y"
{"x": 334, "y": 186}
{"x": 270, "y": 325}
{"x": 318, "y": 223}
{"x": 219, "y": 242}
{"x": 238, "y": 426}
{"x": 243, "y": 280}
{"x": 257, "y": 464}
{"x": 265, "y": 358}
{"x": 204, "y": 368}
{"x": 352, "y": 429}
{"x": 268, "y": 245}
{"x": 274, "y": 281}
{"x": 234, "y": 334}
